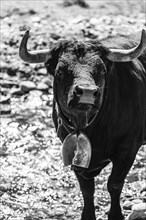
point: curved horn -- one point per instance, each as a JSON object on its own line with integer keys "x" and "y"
{"x": 120, "y": 55}
{"x": 39, "y": 56}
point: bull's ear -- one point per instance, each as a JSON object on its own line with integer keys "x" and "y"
{"x": 52, "y": 60}
{"x": 54, "y": 55}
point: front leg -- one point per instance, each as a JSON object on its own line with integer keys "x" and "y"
{"x": 87, "y": 188}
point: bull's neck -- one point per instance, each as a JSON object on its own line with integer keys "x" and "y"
{"x": 65, "y": 118}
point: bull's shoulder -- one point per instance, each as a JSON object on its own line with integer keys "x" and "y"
{"x": 122, "y": 41}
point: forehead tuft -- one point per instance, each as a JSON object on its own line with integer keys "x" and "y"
{"x": 85, "y": 52}
{"x": 83, "y": 47}
{"x": 72, "y": 51}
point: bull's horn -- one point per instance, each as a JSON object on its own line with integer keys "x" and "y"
{"x": 120, "y": 55}
{"x": 39, "y": 56}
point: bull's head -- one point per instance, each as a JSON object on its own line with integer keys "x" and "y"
{"x": 79, "y": 74}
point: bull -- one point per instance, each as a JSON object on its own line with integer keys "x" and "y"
{"x": 99, "y": 108}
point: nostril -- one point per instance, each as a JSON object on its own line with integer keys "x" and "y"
{"x": 96, "y": 93}
{"x": 78, "y": 90}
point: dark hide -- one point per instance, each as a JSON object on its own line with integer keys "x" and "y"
{"x": 120, "y": 125}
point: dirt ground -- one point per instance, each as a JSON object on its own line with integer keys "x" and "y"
{"x": 34, "y": 184}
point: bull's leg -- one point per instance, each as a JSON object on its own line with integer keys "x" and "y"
{"x": 121, "y": 167}
{"x": 87, "y": 188}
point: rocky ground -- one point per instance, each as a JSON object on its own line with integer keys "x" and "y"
{"x": 34, "y": 184}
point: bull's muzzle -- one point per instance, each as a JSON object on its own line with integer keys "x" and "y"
{"x": 84, "y": 94}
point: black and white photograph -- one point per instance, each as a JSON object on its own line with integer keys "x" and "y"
{"x": 73, "y": 110}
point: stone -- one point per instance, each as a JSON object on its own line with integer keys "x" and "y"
{"x": 5, "y": 109}
{"x": 36, "y": 19}
{"x": 16, "y": 91}
{"x": 5, "y": 99}
{"x": 42, "y": 71}
{"x": 27, "y": 86}
{"x": 43, "y": 87}
{"x": 138, "y": 212}
{"x": 100, "y": 218}
{"x": 81, "y": 3}
{"x": 127, "y": 205}
{"x": 143, "y": 187}
{"x": 136, "y": 201}
{"x": 5, "y": 187}
{"x": 139, "y": 207}
{"x": 143, "y": 196}
{"x": 48, "y": 80}
{"x": 132, "y": 176}
{"x": 32, "y": 12}
{"x": 142, "y": 173}
{"x": 12, "y": 68}
{"x": 55, "y": 36}
{"x": 8, "y": 83}
{"x": 3, "y": 66}
{"x": 93, "y": 21}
